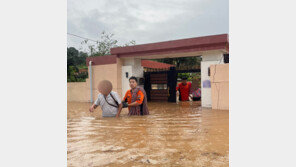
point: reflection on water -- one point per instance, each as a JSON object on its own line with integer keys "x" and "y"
{"x": 181, "y": 134}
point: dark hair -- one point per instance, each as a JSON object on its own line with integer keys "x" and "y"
{"x": 134, "y": 78}
{"x": 184, "y": 78}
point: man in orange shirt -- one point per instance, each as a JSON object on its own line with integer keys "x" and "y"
{"x": 184, "y": 89}
{"x": 135, "y": 99}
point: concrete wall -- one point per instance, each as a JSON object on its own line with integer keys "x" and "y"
{"x": 208, "y": 59}
{"x": 220, "y": 86}
{"x": 80, "y": 91}
{"x": 113, "y": 72}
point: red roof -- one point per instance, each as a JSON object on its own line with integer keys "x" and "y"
{"x": 154, "y": 64}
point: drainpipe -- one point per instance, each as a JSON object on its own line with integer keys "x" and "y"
{"x": 90, "y": 80}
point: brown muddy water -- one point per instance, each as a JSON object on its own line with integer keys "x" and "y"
{"x": 182, "y": 134}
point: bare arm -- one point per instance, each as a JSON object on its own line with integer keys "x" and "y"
{"x": 191, "y": 97}
{"x": 119, "y": 110}
{"x": 93, "y": 107}
{"x": 134, "y": 104}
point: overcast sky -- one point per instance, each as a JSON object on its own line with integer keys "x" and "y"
{"x": 146, "y": 21}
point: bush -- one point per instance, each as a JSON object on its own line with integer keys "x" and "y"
{"x": 73, "y": 75}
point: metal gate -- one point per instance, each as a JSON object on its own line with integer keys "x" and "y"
{"x": 161, "y": 85}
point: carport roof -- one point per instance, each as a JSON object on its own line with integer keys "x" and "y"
{"x": 204, "y": 43}
{"x": 155, "y": 64}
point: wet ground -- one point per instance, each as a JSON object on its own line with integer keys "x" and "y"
{"x": 181, "y": 134}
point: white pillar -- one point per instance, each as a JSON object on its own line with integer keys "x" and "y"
{"x": 135, "y": 63}
{"x": 207, "y": 60}
{"x": 133, "y": 67}
{"x": 126, "y": 74}
{"x": 138, "y": 70}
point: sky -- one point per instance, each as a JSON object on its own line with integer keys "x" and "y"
{"x": 145, "y": 21}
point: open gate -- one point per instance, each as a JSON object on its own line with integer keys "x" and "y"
{"x": 159, "y": 90}
{"x": 161, "y": 85}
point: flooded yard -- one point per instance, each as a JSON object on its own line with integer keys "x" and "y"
{"x": 173, "y": 134}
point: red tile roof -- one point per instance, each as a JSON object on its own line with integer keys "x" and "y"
{"x": 155, "y": 65}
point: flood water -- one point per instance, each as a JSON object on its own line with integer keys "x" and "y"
{"x": 182, "y": 134}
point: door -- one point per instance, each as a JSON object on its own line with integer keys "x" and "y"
{"x": 161, "y": 85}
{"x": 159, "y": 90}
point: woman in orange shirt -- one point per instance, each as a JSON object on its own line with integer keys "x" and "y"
{"x": 135, "y": 99}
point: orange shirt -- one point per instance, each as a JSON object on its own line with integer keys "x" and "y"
{"x": 128, "y": 97}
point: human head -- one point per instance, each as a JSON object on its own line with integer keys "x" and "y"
{"x": 184, "y": 80}
{"x": 133, "y": 82}
{"x": 105, "y": 87}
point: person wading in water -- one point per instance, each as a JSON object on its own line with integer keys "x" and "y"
{"x": 108, "y": 100}
{"x": 135, "y": 99}
{"x": 184, "y": 89}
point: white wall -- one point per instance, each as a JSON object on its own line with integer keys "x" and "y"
{"x": 134, "y": 68}
{"x": 135, "y": 63}
{"x": 138, "y": 70}
{"x": 125, "y": 82}
{"x": 207, "y": 60}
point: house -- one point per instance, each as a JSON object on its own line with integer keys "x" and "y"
{"x": 127, "y": 61}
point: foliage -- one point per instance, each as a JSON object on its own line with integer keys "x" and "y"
{"x": 102, "y": 46}
{"x": 80, "y": 77}
{"x": 75, "y": 60}
{"x": 74, "y": 75}
{"x": 82, "y": 66}
{"x": 74, "y": 57}
{"x": 71, "y": 70}
{"x": 181, "y": 61}
{"x": 189, "y": 76}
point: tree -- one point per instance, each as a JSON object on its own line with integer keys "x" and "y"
{"x": 75, "y": 59}
{"x": 72, "y": 54}
{"x": 182, "y": 61}
{"x": 102, "y": 46}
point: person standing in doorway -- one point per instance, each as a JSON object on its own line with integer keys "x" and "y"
{"x": 135, "y": 99}
{"x": 184, "y": 89}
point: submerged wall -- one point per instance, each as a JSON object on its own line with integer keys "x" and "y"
{"x": 220, "y": 86}
{"x": 78, "y": 91}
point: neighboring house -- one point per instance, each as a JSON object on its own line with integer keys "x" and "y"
{"x": 149, "y": 64}
{"x": 81, "y": 70}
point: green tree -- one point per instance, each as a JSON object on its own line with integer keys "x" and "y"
{"x": 102, "y": 46}
{"x": 75, "y": 59}
{"x": 71, "y": 71}
{"x": 182, "y": 61}
{"x": 72, "y": 54}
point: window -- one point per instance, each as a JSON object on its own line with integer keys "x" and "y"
{"x": 158, "y": 86}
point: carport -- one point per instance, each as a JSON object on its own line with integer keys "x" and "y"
{"x": 210, "y": 48}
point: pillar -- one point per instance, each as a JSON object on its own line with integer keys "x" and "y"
{"x": 208, "y": 59}
{"x": 133, "y": 67}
